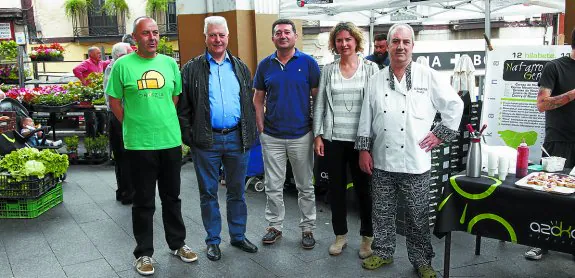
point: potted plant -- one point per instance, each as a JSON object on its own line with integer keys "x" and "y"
{"x": 164, "y": 47}
{"x": 90, "y": 145}
{"x": 153, "y": 7}
{"x": 96, "y": 148}
{"x": 52, "y": 52}
{"x": 74, "y": 9}
{"x": 8, "y": 50}
{"x": 102, "y": 145}
{"x": 71, "y": 143}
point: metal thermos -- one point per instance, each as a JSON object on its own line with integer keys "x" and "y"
{"x": 473, "y": 167}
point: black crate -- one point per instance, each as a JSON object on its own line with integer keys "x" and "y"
{"x": 31, "y": 187}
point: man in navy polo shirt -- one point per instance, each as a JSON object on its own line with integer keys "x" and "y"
{"x": 286, "y": 80}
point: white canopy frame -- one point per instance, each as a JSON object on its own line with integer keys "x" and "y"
{"x": 373, "y": 12}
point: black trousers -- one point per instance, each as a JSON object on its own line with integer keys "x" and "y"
{"x": 122, "y": 165}
{"x": 95, "y": 123}
{"x": 340, "y": 154}
{"x": 147, "y": 167}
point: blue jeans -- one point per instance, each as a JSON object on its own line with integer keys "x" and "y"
{"x": 226, "y": 149}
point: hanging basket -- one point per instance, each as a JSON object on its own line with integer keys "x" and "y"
{"x": 44, "y": 58}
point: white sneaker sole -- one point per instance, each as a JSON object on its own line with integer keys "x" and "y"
{"x": 145, "y": 273}
{"x": 184, "y": 259}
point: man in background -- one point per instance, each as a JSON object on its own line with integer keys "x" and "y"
{"x": 95, "y": 122}
{"x": 124, "y": 193}
{"x": 380, "y": 55}
{"x": 555, "y": 98}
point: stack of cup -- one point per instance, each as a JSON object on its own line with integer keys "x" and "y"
{"x": 492, "y": 161}
{"x": 503, "y": 167}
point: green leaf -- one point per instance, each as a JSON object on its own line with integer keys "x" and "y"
{"x": 514, "y": 138}
{"x": 72, "y": 8}
{"x": 116, "y": 6}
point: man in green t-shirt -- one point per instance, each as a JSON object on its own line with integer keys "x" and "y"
{"x": 143, "y": 89}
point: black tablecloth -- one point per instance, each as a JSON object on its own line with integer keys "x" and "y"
{"x": 487, "y": 207}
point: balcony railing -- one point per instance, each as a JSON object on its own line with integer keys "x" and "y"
{"x": 168, "y": 29}
{"x": 96, "y": 24}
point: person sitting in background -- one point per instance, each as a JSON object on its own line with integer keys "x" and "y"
{"x": 37, "y": 139}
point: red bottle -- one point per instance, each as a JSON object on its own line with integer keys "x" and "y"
{"x": 522, "y": 160}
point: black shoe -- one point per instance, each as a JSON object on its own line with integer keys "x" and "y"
{"x": 214, "y": 253}
{"x": 245, "y": 245}
{"x": 127, "y": 199}
{"x": 307, "y": 240}
{"x": 118, "y": 195}
{"x": 272, "y": 235}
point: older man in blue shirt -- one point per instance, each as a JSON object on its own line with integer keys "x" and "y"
{"x": 218, "y": 122}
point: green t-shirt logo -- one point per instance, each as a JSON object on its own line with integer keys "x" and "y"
{"x": 151, "y": 80}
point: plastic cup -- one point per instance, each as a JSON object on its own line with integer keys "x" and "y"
{"x": 503, "y": 167}
{"x": 491, "y": 172}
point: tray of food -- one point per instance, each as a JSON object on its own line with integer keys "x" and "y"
{"x": 549, "y": 182}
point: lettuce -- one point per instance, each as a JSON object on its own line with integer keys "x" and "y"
{"x": 34, "y": 168}
{"x": 23, "y": 163}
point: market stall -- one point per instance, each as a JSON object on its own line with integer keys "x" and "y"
{"x": 489, "y": 207}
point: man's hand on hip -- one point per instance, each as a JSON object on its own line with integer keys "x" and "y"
{"x": 429, "y": 142}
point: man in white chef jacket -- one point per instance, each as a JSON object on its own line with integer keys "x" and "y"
{"x": 395, "y": 141}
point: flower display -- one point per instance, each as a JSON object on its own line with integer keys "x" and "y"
{"x": 54, "y": 95}
{"x": 53, "y": 51}
{"x": 9, "y": 72}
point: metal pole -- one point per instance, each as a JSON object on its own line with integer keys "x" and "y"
{"x": 487, "y": 23}
{"x": 371, "y": 27}
{"x": 21, "y": 74}
{"x": 488, "y": 35}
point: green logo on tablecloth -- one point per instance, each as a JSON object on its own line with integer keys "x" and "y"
{"x": 479, "y": 196}
{"x": 475, "y": 197}
{"x": 496, "y": 218}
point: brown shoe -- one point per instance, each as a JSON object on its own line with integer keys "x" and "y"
{"x": 272, "y": 235}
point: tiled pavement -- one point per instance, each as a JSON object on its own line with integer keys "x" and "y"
{"x": 90, "y": 235}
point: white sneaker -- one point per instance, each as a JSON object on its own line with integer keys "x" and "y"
{"x": 144, "y": 265}
{"x": 535, "y": 253}
{"x": 186, "y": 254}
{"x": 57, "y": 143}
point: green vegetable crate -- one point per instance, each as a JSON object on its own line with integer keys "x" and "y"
{"x": 31, "y": 208}
{"x": 30, "y": 187}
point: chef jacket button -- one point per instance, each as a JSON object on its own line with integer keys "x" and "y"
{"x": 403, "y": 111}
{"x": 402, "y": 147}
{"x": 387, "y": 147}
{"x": 385, "y": 129}
{"x": 402, "y": 129}
{"x": 384, "y": 111}
{"x": 385, "y": 94}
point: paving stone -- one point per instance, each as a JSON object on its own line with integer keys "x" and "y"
{"x": 96, "y": 268}
{"x": 69, "y": 243}
{"x": 85, "y": 213}
{"x": 5, "y": 269}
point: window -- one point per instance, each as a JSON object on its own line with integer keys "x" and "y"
{"x": 101, "y": 24}
{"x": 171, "y": 18}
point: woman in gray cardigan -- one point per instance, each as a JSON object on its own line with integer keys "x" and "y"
{"x": 336, "y": 117}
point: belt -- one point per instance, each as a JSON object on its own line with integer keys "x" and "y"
{"x": 225, "y": 130}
